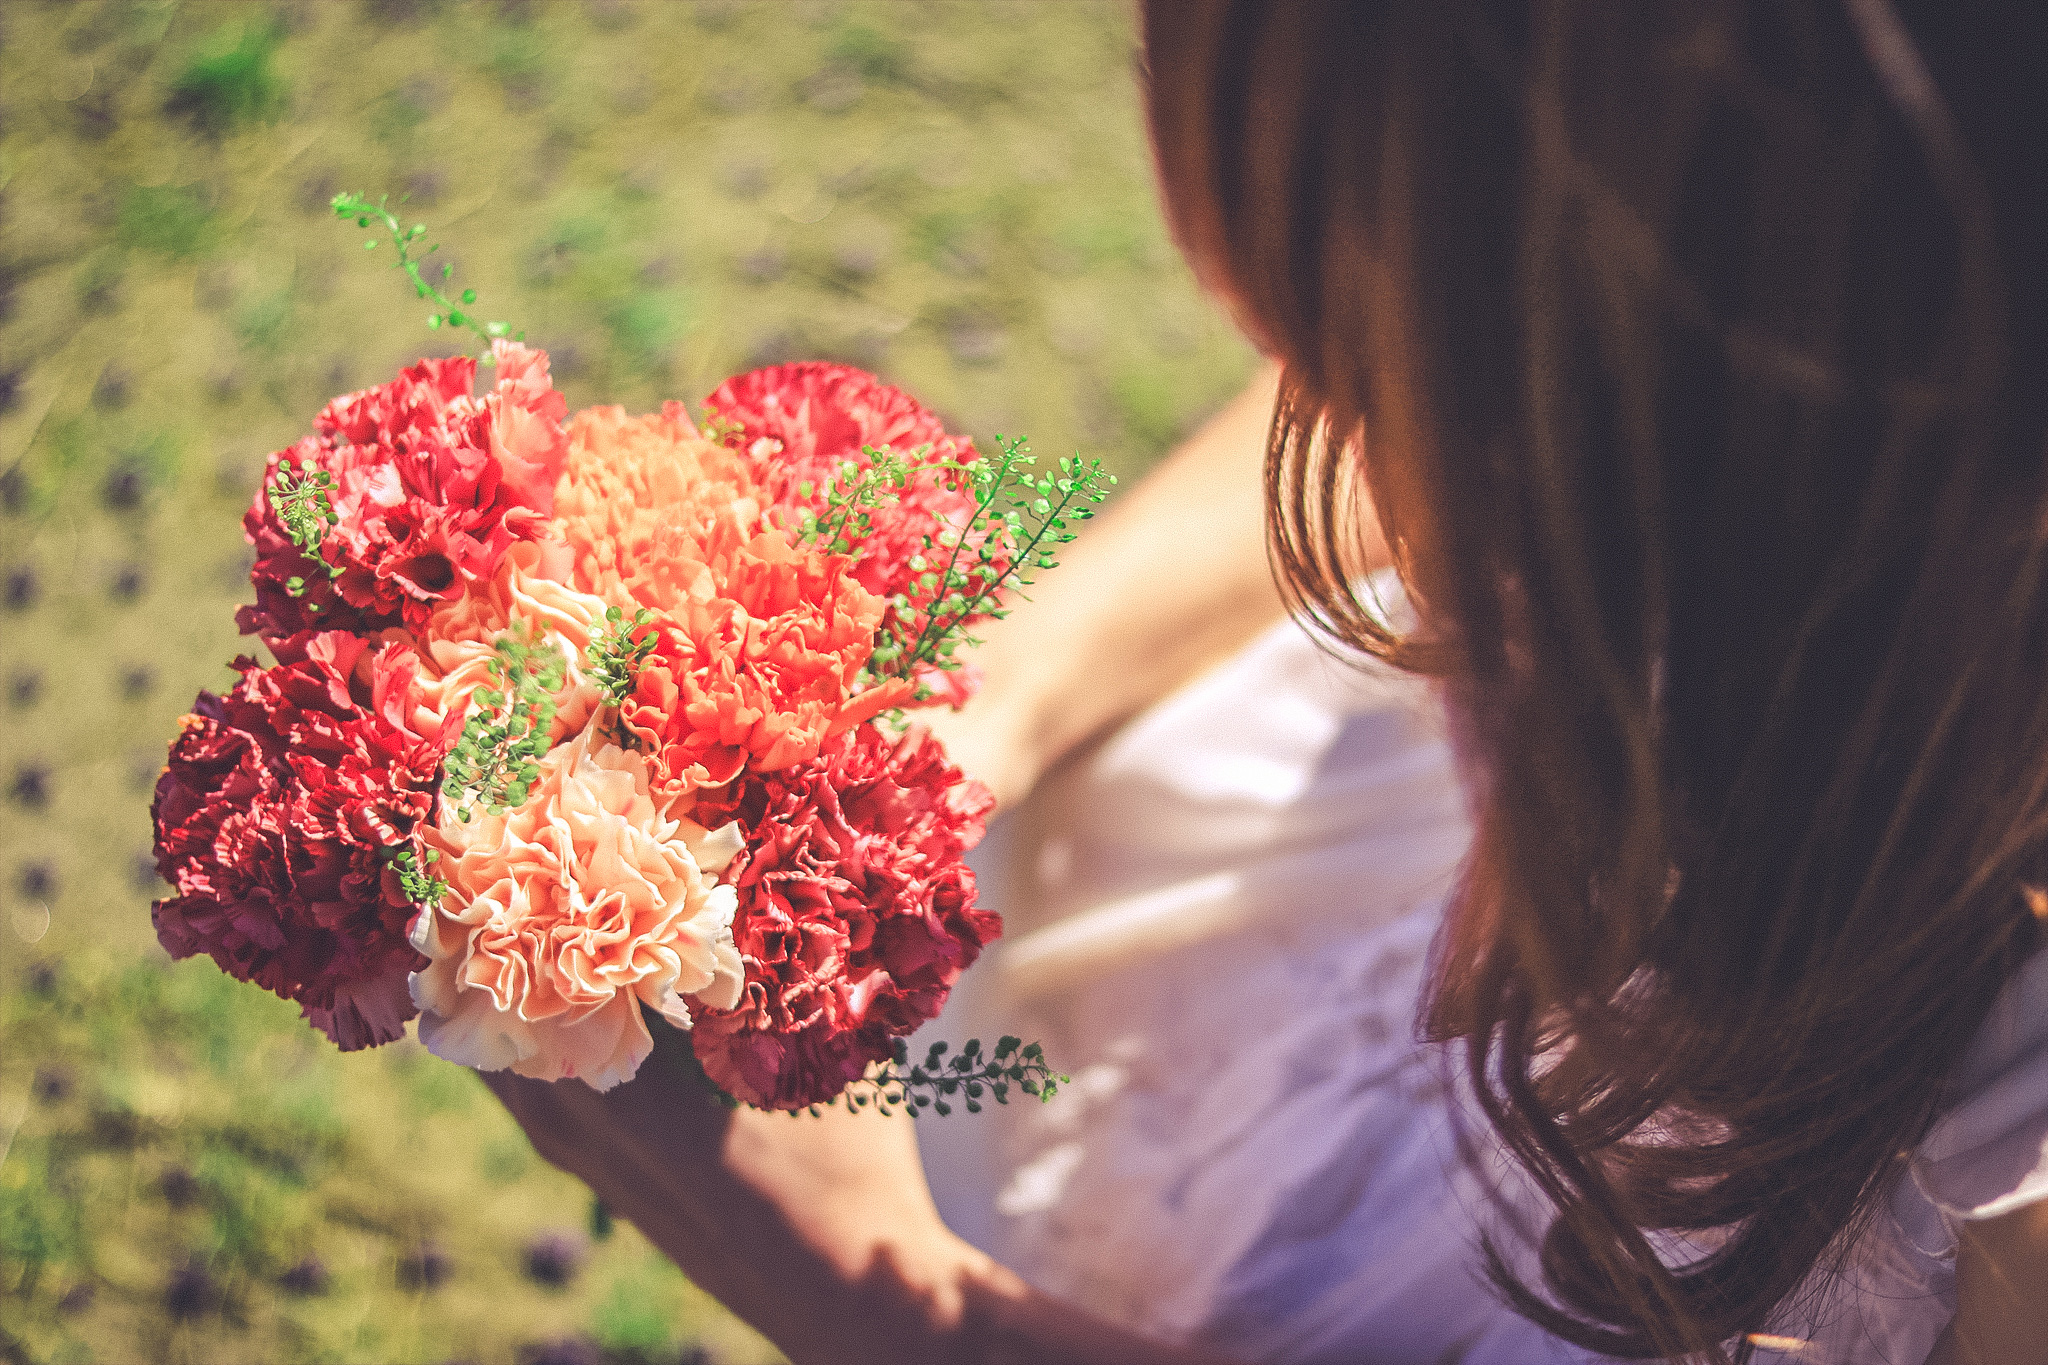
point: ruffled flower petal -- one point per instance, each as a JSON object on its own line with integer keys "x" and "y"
{"x": 567, "y": 915}
{"x": 275, "y": 818}
{"x": 431, "y": 486}
{"x": 797, "y": 424}
{"x": 855, "y": 913}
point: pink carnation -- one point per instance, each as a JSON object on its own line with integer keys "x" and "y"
{"x": 855, "y": 914}
{"x": 432, "y": 485}
{"x": 798, "y": 423}
{"x": 275, "y": 818}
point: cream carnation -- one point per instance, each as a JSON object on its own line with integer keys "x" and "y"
{"x": 565, "y": 916}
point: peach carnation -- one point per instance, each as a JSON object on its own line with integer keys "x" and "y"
{"x": 565, "y": 916}
{"x": 756, "y": 661}
{"x": 526, "y": 595}
{"x": 631, "y": 482}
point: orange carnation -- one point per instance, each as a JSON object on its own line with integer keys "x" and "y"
{"x": 756, "y": 660}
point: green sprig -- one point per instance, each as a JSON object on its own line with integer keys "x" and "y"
{"x": 855, "y": 492}
{"x": 968, "y": 1077}
{"x": 496, "y": 761}
{"x": 1020, "y": 517}
{"x": 305, "y": 510}
{"x": 616, "y": 652}
{"x": 453, "y": 312}
{"x": 421, "y": 887}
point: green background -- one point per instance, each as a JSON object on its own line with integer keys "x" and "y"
{"x": 956, "y": 195}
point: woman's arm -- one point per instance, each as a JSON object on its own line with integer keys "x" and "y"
{"x": 818, "y": 1231}
{"x": 2001, "y": 1293}
{"x": 1172, "y": 578}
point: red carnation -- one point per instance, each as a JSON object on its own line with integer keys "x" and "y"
{"x": 274, "y": 819}
{"x": 430, "y": 485}
{"x": 798, "y": 423}
{"x": 856, "y": 912}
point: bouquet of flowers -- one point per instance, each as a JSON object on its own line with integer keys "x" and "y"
{"x": 577, "y": 717}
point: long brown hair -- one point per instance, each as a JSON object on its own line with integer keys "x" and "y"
{"x": 1694, "y": 357}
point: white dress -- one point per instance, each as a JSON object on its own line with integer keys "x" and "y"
{"x": 1217, "y": 925}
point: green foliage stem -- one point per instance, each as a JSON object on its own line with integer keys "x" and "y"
{"x": 1020, "y": 517}
{"x": 421, "y": 887}
{"x": 304, "y": 508}
{"x": 617, "y": 651}
{"x": 453, "y": 311}
{"x": 854, "y": 493}
{"x": 496, "y": 761}
{"x": 967, "y": 1077}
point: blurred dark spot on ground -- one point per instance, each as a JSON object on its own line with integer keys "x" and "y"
{"x": 13, "y": 489}
{"x": 142, "y": 871}
{"x": 975, "y": 339}
{"x": 423, "y": 188}
{"x": 235, "y": 475}
{"x": 76, "y": 1299}
{"x": 833, "y": 90}
{"x": 772, "y": 348}
{"x": 42, "y": 979}
{"x": 25, "y": 687}
{"x": 52, "y": 1085}
{"x": 23, "y": 588}
{"x": 99, "y": 288}
{"x": 213, "y": 288}
{"x": 425, "y": 1267}
{"x": 137, "y": 680}
{"x": 553, "y": 1258}
{"x": 145, "y": 766}
{"x": 307, "y": 1277}
{"x": 744, "y": 177}
{"x": 10, "y": 389}
{"x": 315, "y": 193}
{"x": 178, "y": 1186}
{"x": 733, "y": 94}
{"x": 858, "y": 260}
{"x": 398, "y": 11}
{"x": 94, "y": 116}
{"x": 31, "y": 786}
{"x": 124, "y": 487}
{"x": 192, "y": 1292}
{"x": 565, "y": 358}
{"x": 764, "y": 265}
{"x": 128, "y": 583}
{"x": 563, "y": 1351}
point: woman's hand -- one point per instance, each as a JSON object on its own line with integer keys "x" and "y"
{"x": 818, "y": 1231}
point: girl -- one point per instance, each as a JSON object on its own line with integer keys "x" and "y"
{"x": 1685, "y": 362}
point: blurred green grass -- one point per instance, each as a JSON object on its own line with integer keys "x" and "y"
{"x": 955, "y": 195}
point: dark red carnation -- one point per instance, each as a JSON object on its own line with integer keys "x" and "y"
{"x": 798, "y": 423}
{"x": 274, "y": 820}
{"x": 856, "y": 912}
{"x": 431, "y": 485}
